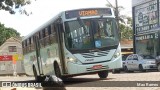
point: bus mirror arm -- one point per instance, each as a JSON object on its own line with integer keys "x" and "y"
{"x": 59, "y": 24}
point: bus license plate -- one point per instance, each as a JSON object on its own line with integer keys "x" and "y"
{"x": 97, "y": 67}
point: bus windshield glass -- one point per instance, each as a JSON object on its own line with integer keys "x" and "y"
{"x": 83, "y": 34}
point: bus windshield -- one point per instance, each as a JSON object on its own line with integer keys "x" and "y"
{"x": 83, "y": 34}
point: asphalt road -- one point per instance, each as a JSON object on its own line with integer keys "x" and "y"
{"x": 132, "y": 81}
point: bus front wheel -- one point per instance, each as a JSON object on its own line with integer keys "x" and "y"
{"x": 57, "y": 71}
{"x": 103, "y": 74}
{"x": 35, "y": 73}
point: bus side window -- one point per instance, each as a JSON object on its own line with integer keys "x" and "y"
{"x": 53, "y": 34}
{"x": 29, "y": 44}
{"x": 24, "y": 47}
{"x": 47, "y": 41}
{"x": 32, "y": 45}
{"x": 28, "y": 48}
{"x": 49, "y": 29}
{"x": 39, "y": 35}
{"x": 41, "y": 39}
{"x": 36, "y": 35}
{"x": 49, "y": 33}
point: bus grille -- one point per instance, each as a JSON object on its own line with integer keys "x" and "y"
{"x": 95, "y": 54}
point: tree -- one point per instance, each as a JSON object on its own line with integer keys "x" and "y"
{"x": 126, "y": 32}
{"x": 124, "y": 26}
{"x": 6, "y": 33}
{"x": 129, "y": 21}
{"x": 11, "y": 5}
{"x": 120, "y": 8}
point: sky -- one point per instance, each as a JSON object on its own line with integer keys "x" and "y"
{"x": 43, "y": 10}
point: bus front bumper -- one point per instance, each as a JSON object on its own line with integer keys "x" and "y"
{"x": 74, "y": 68}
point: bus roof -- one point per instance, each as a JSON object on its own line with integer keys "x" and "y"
{"x": 56, "y": 17}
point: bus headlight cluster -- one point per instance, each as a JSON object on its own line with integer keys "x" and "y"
{"x": 116, "y": 55}
{"x": 74, "y": 60}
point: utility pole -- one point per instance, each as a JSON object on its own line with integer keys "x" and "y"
{"x": 117, "y": 17}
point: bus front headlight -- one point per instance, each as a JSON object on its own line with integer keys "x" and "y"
{"x": 70, "y": 59}
{"x": 116, "y": 55}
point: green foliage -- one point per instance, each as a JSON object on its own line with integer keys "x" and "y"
{"x": 120, "y": 8}
{"x": 126, "y": 32}
{"x": 11, "y": 5}
{"x": 6, "y": 33}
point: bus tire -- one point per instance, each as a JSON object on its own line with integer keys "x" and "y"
{"x": 35, "y": 73}
{"x": 57, "y": 70}
{"x": 103, "y": 74}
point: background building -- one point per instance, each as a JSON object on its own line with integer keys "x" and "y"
{"x": 10, "y": 55}
{"x": 146, "y": 28}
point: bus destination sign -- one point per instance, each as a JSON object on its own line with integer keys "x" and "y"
{"x": 88, "y": 12}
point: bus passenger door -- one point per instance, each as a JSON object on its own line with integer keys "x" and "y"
{"x": 59, "y": 30}
{"x": 38, "y": 56}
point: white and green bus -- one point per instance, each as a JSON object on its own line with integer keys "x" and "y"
{"x": 75, "y": 42}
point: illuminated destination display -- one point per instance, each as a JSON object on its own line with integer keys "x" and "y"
{"x": 88, "y": 12}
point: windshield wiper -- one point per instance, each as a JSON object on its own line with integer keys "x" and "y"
{"x": 82, "y": 24}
